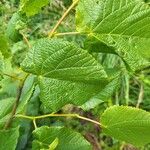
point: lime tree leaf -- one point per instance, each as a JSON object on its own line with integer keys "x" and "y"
{"x": 59, "y": 59}
{"x": 118, "y": 24}
{"x": 67, "y": 139}
{"x": 32, "y": 7}
{"x": 6, "y": 106}
{"x": 57, "y": 93}
{"x": 73, "y": 75}
{"x": 4, "y": 46}
{"x": 12, "y": 32}
{"x": 127, "y": 124}
{"x": 103, "y": 95}
{"x": 1, "y": 66}
{"x": 27, "y": 92}
{"x": 9, "y": 139}
{"x": 3, "y": 120}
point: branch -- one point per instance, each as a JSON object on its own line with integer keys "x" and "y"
{"x": 66, "y": 33}
{"x": 13, "y": 112}
{"x": 50, "y": 34}
{"x": 59, "y": 115}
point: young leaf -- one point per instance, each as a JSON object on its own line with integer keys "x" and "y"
{"x": 73, "y": 75}
{"x": 67, "y": 139}
{"x": 9, "y": 139}
{"x": 32, "y": 7}
{"x": 127, "y": 124}
{"x": 118, "y": 24}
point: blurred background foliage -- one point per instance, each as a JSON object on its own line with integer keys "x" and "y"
{"x": 130, "y": 89}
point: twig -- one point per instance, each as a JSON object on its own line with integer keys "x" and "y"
{"x": 9, "y": 121}
{"x": 59, "y": 115}
{"x": 141, "y": 95}
{"x": 50, "y": 34}
{"x": 66, "y": 33}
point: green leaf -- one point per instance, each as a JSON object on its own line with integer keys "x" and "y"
{"x": 59, "y": 59}
{"x": 1, "y": 65}
{"x": 104, "y": 94}
{"x": 127, "y": 124}
{"x": 54, "y": 144}
{"x": 57, "y": 93}
{"x": 4, "y": 46}
{"x": 26, "y": 95}
{"x": 73, "y": 75}
{"x": 3, "y": 120}
{"x": 32, "y": 7}
{"x": 121, "y": 25}
{"x": 67, "y": 139}
{"x": 12, "y": 32}
{"x": 9, "y": 139}
{"x": 6, "y": 106}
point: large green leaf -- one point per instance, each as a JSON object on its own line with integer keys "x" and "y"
{"x": 32, "y": 7}
{"x": 58, "y": 59}
{"x": 73, "y": 75}
{"x": 57, "y": 93}
{"x": 9, "y": 138}
{"x": 127, "y": 124}
{"x": 66, "y": 139}
{"x": 119, "y": 24}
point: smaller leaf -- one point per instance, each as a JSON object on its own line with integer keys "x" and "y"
{"x": 27, "y": 93}
{"x": 1, "y": 66}
{"x": 6, "y": 105}
{"x": 127, "y": 124}
{"x": 65, "y": 138}
{"x": 12, "y": 33}
{"x": 4, "y": 46}
{"x": 32, "y": 7}
{"x": 9, "y": 139}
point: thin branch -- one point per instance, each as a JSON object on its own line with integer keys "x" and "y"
{"x": 141, "y": 95}
{"x": 59, "y": 115}
{"x": 66, "y": 33}
{"x": 50, "y": 34}
{"x": 9, "y": 121}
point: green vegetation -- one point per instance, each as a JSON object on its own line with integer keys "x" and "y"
{"x": 74, "y": 75}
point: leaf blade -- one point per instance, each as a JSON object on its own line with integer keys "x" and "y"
{"x": 127, "y": 124}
